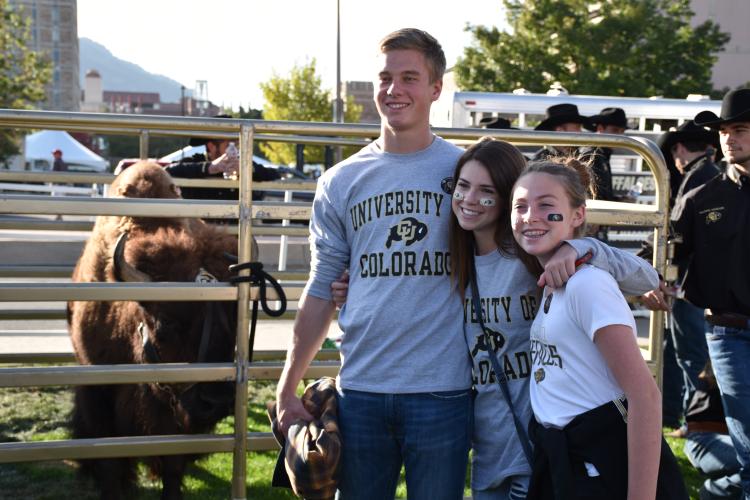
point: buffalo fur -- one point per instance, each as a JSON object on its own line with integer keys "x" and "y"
{"x": 103, "y": 333}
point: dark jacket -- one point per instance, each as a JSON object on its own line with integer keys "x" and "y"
{"x": 196, "y": 167}
{"x": 599, "y": 437}
{"x": 711, "y": 221}
{"x": 59, "y": 165}
{"x": 697, "y": 173}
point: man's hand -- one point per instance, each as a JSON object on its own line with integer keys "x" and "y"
{"x": 340, "y": 289}
{"x": 659, "y": 299}
{"x": 290, "y": 410}
{"x": 224, "y": 164}
{"x": 560, "y": 267}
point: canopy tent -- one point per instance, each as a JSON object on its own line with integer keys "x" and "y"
{"x": 39, "y": 147}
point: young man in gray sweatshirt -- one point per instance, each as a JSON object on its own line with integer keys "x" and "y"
{"x": 405, "y": 379}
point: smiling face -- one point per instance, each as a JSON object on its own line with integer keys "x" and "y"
{"x": 535, "y": 197}
{"x": 405, "y": 91}
{"x": 735, "y": 143}
{"x": 476, "y": 204}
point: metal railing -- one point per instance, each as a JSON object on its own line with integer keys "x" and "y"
{"x": 247, "y": 131}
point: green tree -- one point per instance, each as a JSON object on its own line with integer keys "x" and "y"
{"x": 300, "y": 98}
{"x": 23, "y": 72}
{"x": 605, "y": 47}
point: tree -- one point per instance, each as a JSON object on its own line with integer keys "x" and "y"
{"x": 605, "y": 47}
{"x": 300, "y": 98}
{"x": 23, "y": 72}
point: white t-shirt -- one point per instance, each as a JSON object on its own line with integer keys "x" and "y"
{"x": 569, "y": 374}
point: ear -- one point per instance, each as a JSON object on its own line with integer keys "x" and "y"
{"x": 437, "y": 89}
{"x": 579, "y": 216}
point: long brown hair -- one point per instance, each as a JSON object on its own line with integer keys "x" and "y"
{"x": 504, "y": 162}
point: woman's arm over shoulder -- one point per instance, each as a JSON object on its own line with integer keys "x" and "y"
{"x": 620, "y": 350}
{"x": 633, "y": 275}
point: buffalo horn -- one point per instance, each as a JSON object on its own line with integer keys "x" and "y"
{"x": 124, "y": 271}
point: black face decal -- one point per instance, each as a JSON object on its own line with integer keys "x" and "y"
{"x": 547, "y": 303}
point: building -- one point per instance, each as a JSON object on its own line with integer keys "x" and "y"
{"x": 95, "y": 99}
{"x": 732, "y": 17}
{"x": 54, "y": 32}
{"x": 362, "y": 94}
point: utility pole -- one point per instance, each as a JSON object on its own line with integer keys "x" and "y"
{"x": 182, "y": 99}
{"x": 338, "y": 107}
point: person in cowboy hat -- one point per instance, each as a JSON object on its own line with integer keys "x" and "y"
{"x": 214, "y": 164}
{"x": 608, "y": 121}
{"x": 560, "y": 118}
{"x": 711, "y": 222}
{"x": 692, "y": 149}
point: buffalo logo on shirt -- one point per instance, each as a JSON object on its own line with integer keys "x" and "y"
{"x": 713, "y": 216}
{"x": 447, "y": 185}
{"x": 496, "y": 338}
{"x": 408, "y": 230}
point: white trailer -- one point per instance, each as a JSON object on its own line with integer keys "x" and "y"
{"x": 524, "y": 110}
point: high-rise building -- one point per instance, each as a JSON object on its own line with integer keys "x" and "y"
{"x": 54, "y": 31}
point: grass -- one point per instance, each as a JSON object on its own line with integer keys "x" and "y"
{"x": 40, "y": 414}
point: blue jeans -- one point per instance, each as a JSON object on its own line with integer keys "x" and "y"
{"x": 689, "y": 340}
{"x": 429, "y": 433}
{"x": 513, "y": 488}
{"x": 730, "y": 356}
{"x": 672, "y": 384}
{"x": 713, "y": 455}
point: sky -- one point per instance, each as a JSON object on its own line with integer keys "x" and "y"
{"x": 236, "y": 45}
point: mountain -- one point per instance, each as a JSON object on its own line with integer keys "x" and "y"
{"x": 123, "y": 75}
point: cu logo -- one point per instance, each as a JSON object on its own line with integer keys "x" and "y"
{"x": 408, "y": 230}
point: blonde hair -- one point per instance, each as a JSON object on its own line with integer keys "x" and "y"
{"x": 422, "y": 42}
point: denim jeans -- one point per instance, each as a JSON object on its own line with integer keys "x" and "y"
{"x": 672, "y": 385}
{"x": 713, "y": 455}
{"x": 689, "y": 340}
{"x": 429, "y": 433}
{"x": 513, "y": 488}
{"x": 729, "y": 349}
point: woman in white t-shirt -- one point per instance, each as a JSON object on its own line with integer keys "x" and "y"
{"x": 588, "y": 375}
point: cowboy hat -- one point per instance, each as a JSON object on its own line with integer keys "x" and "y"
{"x": 562, "y": 113}
{"x": 496, "y": 122}
{"x": 609, "y": 116}
{"x": 688, "y": 132}
{"x": 735, "y": 107}
{"x": 200, "y": 141}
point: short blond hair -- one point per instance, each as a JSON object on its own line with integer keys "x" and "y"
{"x": 421, "y": 41}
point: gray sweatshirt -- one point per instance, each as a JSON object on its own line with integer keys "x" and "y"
{"x": 385, "y": 217}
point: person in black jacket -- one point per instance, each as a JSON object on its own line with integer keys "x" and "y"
{"x": 712, "y": 222}
{"x": 214, "y": 164}
{"x": 693, "y": 149}
{"x": 608, "y": 121}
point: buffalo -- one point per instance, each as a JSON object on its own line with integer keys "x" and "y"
{"x": 130, "y": 332}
